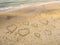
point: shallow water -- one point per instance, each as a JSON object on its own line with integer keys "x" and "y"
{"x": 4, "y": 3}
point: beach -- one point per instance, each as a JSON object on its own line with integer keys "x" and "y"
{"x": 30, "y": 24}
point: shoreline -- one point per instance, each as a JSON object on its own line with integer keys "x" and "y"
{"x": 27, "y": 5}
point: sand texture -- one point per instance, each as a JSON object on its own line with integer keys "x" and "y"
{"x": 31, "y": 26}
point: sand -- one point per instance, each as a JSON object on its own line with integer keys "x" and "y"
{"x": 31, "y": 26}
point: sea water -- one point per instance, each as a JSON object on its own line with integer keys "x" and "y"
{"x": 5, "y": 3}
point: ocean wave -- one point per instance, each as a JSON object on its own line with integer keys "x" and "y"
{"x": 20, "y": 6}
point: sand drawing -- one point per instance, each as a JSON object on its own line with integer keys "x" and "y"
{"x": 11, "y": 28}
{"x": 23, "y": 32}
